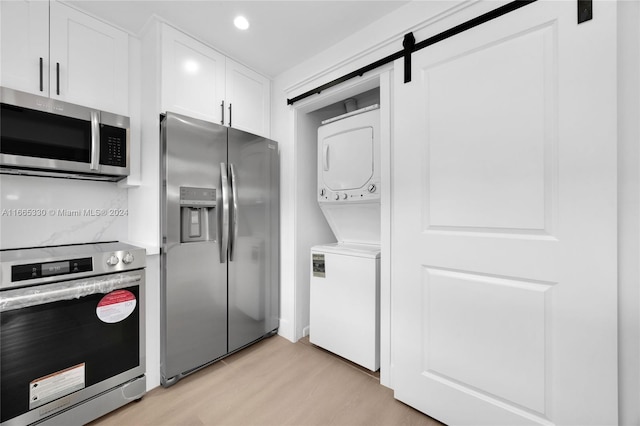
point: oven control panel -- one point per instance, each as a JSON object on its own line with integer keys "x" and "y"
{"x": 127, "y": 259}
{"x": 48, "y": 269}
{"x": 39, "y": 265}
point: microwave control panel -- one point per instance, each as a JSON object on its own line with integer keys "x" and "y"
{"x": 113, "y": 146}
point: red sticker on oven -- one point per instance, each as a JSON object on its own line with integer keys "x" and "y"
{"x": 116, "y": 306}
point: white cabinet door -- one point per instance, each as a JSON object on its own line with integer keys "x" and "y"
{"x": 248, "y": 96}
{"x": 504, "y": 235}
{"x": 192, "y": 77}
{"x": 89, "y": 61}
{"x": 25, "y": 46}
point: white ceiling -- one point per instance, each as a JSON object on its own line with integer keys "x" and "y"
{"x": 282, "y": 33}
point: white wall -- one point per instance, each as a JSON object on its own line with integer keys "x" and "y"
{"x": 144, "y": 200}
{"x": 41, "y": 211}
{"x": 629, "y": 211}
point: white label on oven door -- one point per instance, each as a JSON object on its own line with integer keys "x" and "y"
{"x": 116, "y": 306}
{"x": 56, "y": 385}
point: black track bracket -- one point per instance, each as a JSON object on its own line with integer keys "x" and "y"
{"x": 585, "y": 11}
{"x": 409, "y": 43}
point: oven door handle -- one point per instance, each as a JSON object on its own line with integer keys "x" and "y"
{"x": 67, "y": 290}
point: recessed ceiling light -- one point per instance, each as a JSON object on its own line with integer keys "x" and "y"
{"x": 241, "y": 22}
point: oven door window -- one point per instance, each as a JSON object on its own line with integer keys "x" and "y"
{"x": 34, "y": 133}
{"x": 46, "y": 340}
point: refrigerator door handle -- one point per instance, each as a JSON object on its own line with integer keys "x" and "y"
{"x": 223, "y": 215}
{"x": 234, "y": 194}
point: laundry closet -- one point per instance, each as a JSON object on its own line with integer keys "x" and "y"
{"x": 339, "y": 195}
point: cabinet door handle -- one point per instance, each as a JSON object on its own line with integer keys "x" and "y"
{"x": 41, "y": 77}
{"x": 222, "y": 113}
{"x": 229, "y": 114}
{"x": 57, "y": 78}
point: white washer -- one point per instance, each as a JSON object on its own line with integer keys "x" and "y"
{"x": 345, "y": 301}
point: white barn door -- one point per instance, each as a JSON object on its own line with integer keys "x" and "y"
{"x": 504, "y": 222}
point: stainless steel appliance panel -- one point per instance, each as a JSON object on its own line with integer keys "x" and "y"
{"x": 47, "y": 137}
{"x": 72, "y": 320}
{"x": 194, "y": 280}
{"x": 254, "y": 236}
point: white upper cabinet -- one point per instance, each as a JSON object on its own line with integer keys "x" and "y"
{"x": 51, "y": 49}
{"x": 25, "y": 46}
{"x": 248, "y": 95}
{"x": 192, "y": 77}
{"x": 199, "y": 82}
{"x": 93, "y": 60}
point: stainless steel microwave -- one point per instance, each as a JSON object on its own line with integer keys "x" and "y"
{"x": 46, "y": 137}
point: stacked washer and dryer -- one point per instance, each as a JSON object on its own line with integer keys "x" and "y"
{"x": 345, "y": 276}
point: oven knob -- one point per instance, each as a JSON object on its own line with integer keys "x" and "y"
{"x": 344, "y": 196}
{"x": 128, "y": 258}
{"x": 113, "y": 260}
{"x": 372, "y": 188}
{"x": 322, "y": 192}
{"x": 337, "y": 196}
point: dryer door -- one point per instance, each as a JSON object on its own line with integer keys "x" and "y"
{"x": 346, "y": 159}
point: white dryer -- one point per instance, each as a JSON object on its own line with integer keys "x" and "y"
{"x": 349, "y": 175}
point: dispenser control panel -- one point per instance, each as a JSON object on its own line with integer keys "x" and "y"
{"x": 197, "y": 197}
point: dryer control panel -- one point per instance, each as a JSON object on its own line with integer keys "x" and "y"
{"x": 370, "y": 192}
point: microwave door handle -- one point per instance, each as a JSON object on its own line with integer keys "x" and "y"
{"x": 95, "y": 140}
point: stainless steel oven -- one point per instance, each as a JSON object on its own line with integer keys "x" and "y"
{"x": 46, "y": 137}
{"x": 71, "y": 333}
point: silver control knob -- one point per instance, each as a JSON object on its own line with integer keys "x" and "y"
{"x": 127, "y": 258}
{"x": 372, "y": 188}
{"x": 344, "y": 196}
{"x": 337, "y": 196}
{"x": 322, "y": 192}
{"x": 113, "y": 260}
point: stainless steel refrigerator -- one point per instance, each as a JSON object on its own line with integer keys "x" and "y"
{"x": 220, "y": 247}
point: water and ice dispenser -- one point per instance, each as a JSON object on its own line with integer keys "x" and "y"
{"x": 197, "y": 214}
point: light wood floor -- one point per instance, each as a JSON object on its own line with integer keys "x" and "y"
{"x": 274, "y": 382}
